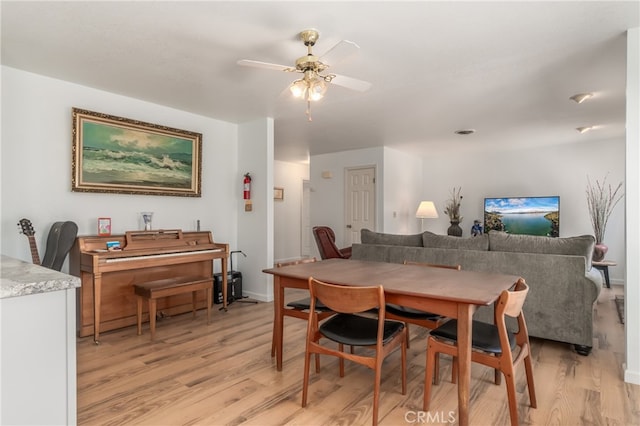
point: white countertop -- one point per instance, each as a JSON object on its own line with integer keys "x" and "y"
{"x": 19, "y": 278}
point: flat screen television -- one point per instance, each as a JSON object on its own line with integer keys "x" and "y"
{"x": 523, "y": 215}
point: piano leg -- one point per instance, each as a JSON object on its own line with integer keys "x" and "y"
{"x": 97, "y": 300}
{"x": 139, "y": 314}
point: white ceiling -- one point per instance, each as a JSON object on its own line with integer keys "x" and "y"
{"x": 505, "y": 69}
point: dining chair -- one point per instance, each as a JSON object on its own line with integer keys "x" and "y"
{"x": 350, "y": 327}
{"x": 492, "y": 345}
{"x": 300, "y": 308}
{"x": 415, "y": 316}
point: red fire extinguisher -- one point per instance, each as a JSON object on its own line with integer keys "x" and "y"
{"x": 247, "y": 187}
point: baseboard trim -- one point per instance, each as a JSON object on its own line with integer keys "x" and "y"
{"x": 257, "y": 296}
{"x": 632, "y": 377}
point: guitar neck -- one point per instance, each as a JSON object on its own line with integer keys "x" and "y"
{"x": 34, "y": 250}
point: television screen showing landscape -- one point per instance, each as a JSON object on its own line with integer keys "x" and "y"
{"x": 523, "y": 215}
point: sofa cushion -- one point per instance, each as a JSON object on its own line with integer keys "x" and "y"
{"x": 574, "y": 246}
{"x": 371, "y": 237}
{"x": 431, "y": 240}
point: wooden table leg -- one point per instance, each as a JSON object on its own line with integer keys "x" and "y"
{"x": 465, "y": 314}
{"x": 278, "y": 305}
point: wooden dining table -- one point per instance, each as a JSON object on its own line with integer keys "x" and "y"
{"x": 451, "y": 293}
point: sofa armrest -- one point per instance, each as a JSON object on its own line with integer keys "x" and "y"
{"x": 595, "y": 276}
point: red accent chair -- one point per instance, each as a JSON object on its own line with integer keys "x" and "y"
{"x": 326, "y": 241}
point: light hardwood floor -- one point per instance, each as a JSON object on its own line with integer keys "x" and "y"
{"x": 223, "y": 374}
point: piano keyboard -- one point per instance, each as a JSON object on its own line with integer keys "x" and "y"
{"x": 158, "y": 256}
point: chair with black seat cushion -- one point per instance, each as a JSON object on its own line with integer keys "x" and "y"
{"x": 350, "y": 327}
{"x": 326, "y": 241}
{"x": 415, "y": 316}
{"x": 299, "y": 308}
{"x": 493, "y": 346}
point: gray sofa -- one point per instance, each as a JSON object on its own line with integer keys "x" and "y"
{"x": 563, "y": 285}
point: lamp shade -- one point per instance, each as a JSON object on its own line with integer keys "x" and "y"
{"x": 427, "y": 210}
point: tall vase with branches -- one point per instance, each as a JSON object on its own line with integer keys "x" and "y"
{"x": 452, "y": 209}
{"x": 602, "y": 198}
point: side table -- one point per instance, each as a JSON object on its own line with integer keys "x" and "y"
{"x": 603, "y": 266}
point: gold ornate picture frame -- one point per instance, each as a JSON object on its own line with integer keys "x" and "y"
{"x": 117, "y": 155}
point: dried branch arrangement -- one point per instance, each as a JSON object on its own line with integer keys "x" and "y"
{"x": 452, "y": 205}
{"x": 601, "y": 199}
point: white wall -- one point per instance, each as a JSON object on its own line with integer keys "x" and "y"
{"x": 288, "y": 212}
{"x": 327, "y": 195}
{"x": 632, "y": 279}
{"x": 398, "y": 187}
{"x": 255, "y": 227}
{"x": 36, "y": 165}
{"x": 402, "y": 189}
{"x": 555, "y": 170}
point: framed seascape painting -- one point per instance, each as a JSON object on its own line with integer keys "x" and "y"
{"x": 122, "y": 156}
{"x": 523, "y": 215}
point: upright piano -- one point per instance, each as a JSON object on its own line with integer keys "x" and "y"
{"x": 106, "y": 298}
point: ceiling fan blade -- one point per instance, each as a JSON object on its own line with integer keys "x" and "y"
{"x": 339, "y": 52}
{"x": 265, "y": 65}
{"x": 351, "y": 83}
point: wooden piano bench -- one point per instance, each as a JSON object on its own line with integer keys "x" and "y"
{"x": 153, "y": 290}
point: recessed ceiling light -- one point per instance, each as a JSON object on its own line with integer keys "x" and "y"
{"x": 464, "y": 132}
{"x": 581, "y": 97}
{"x": 584, "y": 129}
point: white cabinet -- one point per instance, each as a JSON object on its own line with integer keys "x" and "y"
{"x": 38, "y": 352}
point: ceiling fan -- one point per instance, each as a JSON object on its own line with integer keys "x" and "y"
{"x": 315, "y": 79}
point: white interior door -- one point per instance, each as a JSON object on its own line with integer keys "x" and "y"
{"x": 360, "y": 202}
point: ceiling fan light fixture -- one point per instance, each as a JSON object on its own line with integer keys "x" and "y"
{"x": 298, "y": 88}
{"x": 316, "y": 79}
{"x": 581, "y": 97}
{"x": 317, "y": 89}
{"x": 585, "y": 129}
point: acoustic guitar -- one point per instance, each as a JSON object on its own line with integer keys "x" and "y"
{"x": 27, "y": 229}
{"x": 60, "y": 240}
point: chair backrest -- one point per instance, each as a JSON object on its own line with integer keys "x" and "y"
{"x": 347, "y": 299}
{"x": 326, "y": 241}
{"x": 296, "y": 262}
{"x": 61, "y": 237}
{"x": 434, "y": 265}
{"x": 510, "y": 302}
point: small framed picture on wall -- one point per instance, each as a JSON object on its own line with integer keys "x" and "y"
{"x": 104, "y": 226}
{"x": 278, "y": 194}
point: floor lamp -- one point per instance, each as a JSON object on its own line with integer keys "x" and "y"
{"x": 426, "y": 210}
